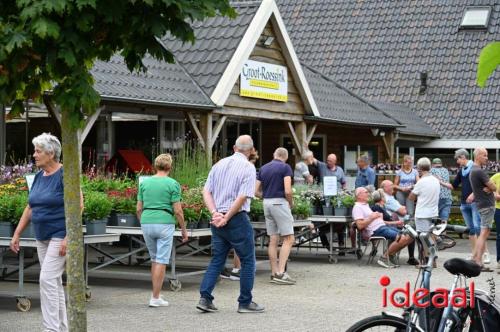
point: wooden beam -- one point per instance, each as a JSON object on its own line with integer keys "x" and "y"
{"x": 217, "y": 128}
{"x": 388, "y": 140}
{"x": 89, "y": 123}
{"x": 301, "y": 132}
{"x": 310, "y": 133}
{"x": 258, "y": 114}
{"x": 295, "y": 140}
{"x": 194, "y": 127}
{"x": 53, "y": 110}
{"x": 206, "y": 126}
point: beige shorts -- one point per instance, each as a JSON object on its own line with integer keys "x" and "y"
{"x": 279, "y": 219}
{"x": 487, "y": 215}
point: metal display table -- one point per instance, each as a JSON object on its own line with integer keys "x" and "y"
{"x": 135, "y": 234}
{"x": 261, "y": 233}
{"x": 23, "y": 302}
{"x": 331, "y": 221}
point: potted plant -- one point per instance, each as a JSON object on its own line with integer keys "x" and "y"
{"x": 191, "y": 217}
{"x": 257, "y": 210}
{"x": 301, "y": 209}
{"x": 97, "y": 208}
{"x": 124, "y": 205}
{"x": 11, "y": 209}
{"x": 342, "y": 203}
{"x": 6, "y": 216}
{"x": 314, "y": 197}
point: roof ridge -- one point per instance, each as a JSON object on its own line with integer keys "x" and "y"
{"x": 243, "y": 3}
{"x": 351, "y": 93}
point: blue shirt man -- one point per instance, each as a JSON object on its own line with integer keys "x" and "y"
{"x": 330, "y": 168}
{"x": 366, "y": 174}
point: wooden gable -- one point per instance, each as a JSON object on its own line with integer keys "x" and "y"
{"x": 292, "y": 110}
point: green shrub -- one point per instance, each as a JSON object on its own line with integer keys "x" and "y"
{"x": 97, "y": 206}
{"x": 12, "y": 206}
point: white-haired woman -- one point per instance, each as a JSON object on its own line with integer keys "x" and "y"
{"x": 301, "y": 174}
{"x": 158, "y": 208}
{"x": 45, "y": 210}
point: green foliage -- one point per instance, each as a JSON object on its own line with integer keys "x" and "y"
{"x": 343, "y": 199}
{"x": 190, "y": 167}
{"x": 301, "y": 208}
{"x": 489, "y": 59}
{"x": 256, "y": 209}
{"x": 192, "y": 204}
{"x": 97, "y": 206}
{"x": 102, "y": 183}
{"x": 52, "y": 44}
{"x": 12, "y": 206}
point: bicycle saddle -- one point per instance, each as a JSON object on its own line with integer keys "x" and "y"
{"x": 463, "y": 267}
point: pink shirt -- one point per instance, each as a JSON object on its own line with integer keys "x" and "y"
{"x": 363, "y": 211}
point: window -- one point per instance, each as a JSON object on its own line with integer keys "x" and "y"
{"x": 172, "y": 134}
{"x": 476, "y": 18}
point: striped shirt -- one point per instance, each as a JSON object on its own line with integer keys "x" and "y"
{"x": 229, "y": 178}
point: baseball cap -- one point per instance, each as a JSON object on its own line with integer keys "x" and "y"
{"x": 437, "y": 161}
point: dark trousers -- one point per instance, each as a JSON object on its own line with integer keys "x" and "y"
{"x": 237, "y": 235}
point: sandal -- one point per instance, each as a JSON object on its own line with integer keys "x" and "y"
{"x": 485, "y": 269}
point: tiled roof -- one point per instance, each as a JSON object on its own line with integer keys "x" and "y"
{"x": 216, "y": 41}
{"x": 163, "y": 83}
{"x": 340, "y": 105}
{"x": 413, "y": 124}
{"x": 378, "y": 48}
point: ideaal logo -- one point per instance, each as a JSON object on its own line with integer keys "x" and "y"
{"x": 421, "y": 297}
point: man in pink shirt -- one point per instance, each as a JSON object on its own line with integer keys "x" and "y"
{"x": 372, "y": 223}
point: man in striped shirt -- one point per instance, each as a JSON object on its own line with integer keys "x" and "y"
{"x": 227, "y": 193}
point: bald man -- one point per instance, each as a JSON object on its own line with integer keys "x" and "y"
{"x": 330, "y": 168}
{"x": 483, "y": 190}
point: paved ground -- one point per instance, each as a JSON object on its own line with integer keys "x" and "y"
{"x": 327, "y": 297}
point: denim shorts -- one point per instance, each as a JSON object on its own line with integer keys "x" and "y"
{"x": 390, "y": 233}
{"x": 159, "y": 238}
{"x": 444, "y": 208}
{"x": 487, "y": 216}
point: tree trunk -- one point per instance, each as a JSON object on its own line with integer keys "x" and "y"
{"x": 77, "y": 315}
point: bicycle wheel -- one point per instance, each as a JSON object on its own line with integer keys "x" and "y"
{"x": 380, "y": 323}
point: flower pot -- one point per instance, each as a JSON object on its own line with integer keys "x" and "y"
{"x": 327, "y": 210}
{"x": 204, "y": 223}
{"x": 192, "y": 224}
{"x": 29, "y": 232}
{"x": 6, "y": 229}
{"x": 112, "y": 219}
{"x": 127, "y": 220}
{"x": 96, "y": 227}
{"x": 340, "y": 211}
{"x": 312, "y": 210}
{"x": 261, "y": 218}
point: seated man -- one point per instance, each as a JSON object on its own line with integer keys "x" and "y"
{"x": 372, "y": 223}
{"x": 391, "y": 203}
{"x": 393, "y": 206}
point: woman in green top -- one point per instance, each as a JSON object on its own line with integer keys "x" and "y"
{"x": 158, "y": 207}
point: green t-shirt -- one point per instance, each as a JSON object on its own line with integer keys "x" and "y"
{"x": 157, "y": 194}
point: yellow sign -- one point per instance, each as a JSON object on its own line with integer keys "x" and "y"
{"x": 264, "y": 81}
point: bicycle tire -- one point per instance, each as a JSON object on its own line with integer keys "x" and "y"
{"x": 396, "y": 323}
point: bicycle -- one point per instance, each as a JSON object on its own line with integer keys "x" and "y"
{"x": 432, "y": 319}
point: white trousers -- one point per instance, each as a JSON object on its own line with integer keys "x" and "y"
{"x": 51, "y": 288}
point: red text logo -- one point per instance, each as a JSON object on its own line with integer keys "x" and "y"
{"x": 420, "y": 297}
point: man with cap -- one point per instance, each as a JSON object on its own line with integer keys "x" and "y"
{"x": 442, "y": 174}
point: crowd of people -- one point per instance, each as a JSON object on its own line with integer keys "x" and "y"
{"x": 420, "y": 194}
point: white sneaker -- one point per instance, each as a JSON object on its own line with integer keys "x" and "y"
{"x": 159, "y": 302}
{"x": 486, "y": 258}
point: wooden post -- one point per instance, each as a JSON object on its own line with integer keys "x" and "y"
{"x": 206, "y": 134}
{"x": 389, "y": 145}
{"x": 3, "y": 136}
{"x": 301, "y": 137}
